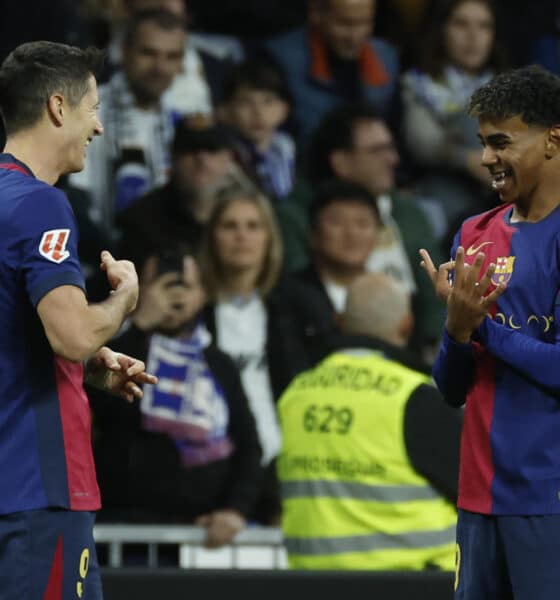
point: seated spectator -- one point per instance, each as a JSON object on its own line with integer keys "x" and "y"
{"x": 370, "y": 454}
{"x": 133, "y": 155}
{"x": 344, "y": 224}
{"x": 188, "y": 450}
{"x": 273, "y": 328}
{"x": 458, "y": 54}
{"x": 256, "y": 104}
{"x": 334, "y": 60}
{"x": 173, "y": 215}
{"x": 197, "y": 87}
{"x": 354, "y": 143}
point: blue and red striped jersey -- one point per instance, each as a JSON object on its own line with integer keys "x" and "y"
{"x": 509, "y": 376}
{"x": 45, "y": 425}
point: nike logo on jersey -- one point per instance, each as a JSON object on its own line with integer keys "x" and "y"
{"x": 475, "y": 249}
{"x": 53, "y": 245}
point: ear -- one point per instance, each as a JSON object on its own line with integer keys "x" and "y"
{"x": 56, "y": 109}
{"x": 339, "y": 162}
{"x": 552, "y": 142}
{"x": 406, "y": 326}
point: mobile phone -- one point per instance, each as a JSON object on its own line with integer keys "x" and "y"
{"x": 171, "y": 262}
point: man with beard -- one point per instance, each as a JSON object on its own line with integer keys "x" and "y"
{"x": 501, "y": 347}
{"x": 134, "y": 155}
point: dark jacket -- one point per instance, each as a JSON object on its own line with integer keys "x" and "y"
{"x": 310, "y": 277}
{"x": 140, "y": 473}
{"x": 299, "y": 328}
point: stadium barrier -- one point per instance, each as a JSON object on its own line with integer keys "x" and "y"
{"x": 254, "y": 566}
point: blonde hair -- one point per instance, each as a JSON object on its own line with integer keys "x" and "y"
{"x": 211, "y": 269}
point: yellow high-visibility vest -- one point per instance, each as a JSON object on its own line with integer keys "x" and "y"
{"x": 350, "y": 496}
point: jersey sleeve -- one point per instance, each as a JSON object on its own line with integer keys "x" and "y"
{"x": 47, "y": 240}
{"x": 454, "y": 364}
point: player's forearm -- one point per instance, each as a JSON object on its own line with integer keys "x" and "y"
{"x": 104, "y": 319}
{"x": 452, "y": 370}
{"x": 537, "y": 360}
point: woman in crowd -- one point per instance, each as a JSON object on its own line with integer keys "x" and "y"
{"x": 458, "y": 54}
{"x": 272, "y": 327}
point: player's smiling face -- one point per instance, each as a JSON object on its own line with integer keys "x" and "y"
{"x": 84, "y": 125}
{"x": 514, "y": 153}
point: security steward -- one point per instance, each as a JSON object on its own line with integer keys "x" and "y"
{"x": 369, "y": 464}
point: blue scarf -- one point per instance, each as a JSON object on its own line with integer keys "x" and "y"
{"x": 187, "y": 403}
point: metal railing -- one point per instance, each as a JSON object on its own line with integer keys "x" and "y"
{"x": 252, "y": 548}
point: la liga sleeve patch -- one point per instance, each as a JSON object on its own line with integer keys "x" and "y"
{"x": 53, "y": 245}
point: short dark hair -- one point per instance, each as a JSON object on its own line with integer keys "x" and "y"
{"x": 335, "y": 132}
{"x": 34, "y": 71}
{"x": 261, "y": 74}
{"x": 531, "y": 93}
{"x": 164, "y": 19}
{"x": 197, "y": 133}
{"x": 339, "y": 190}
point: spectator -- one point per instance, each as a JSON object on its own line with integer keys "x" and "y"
{"x": 457, "y": 55}
{"x": 133, "y": 156}
{"x": 173, "y": 216}
{"x": 197, "y": 87}
{"x": 256, "y": 104}
{"x": 344, "y": 226}
{"x": 188, "y": 451}
{"x": 370, "y": 453}
{"x": 355, "y": 144}
{"x": 334, "y": 60}
{"x": 273, "y": 328}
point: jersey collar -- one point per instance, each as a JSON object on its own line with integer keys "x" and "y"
{"x": 11, "y": 163}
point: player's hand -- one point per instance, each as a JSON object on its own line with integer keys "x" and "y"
{"x": 439, "y": 277}
{"x": 118, "y": 374}
{"x": 122, "y": 277}
{"x": 471, "y": 296}
{"x": 221, "y": 526}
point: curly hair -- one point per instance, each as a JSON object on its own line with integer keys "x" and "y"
{"x": 531, "y": 92}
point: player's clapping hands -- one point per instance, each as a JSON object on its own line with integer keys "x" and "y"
{"x": 468, "y": 295}
{"x": 440, "y": 276}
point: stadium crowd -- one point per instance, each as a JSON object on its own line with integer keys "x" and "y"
{"x": 260, "y": 161}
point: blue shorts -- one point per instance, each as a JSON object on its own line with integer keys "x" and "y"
{"x": 48, "y": 555}
{"x": 506, "y": 558}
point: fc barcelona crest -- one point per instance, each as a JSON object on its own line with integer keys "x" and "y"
{"x": 504, "y": 269}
